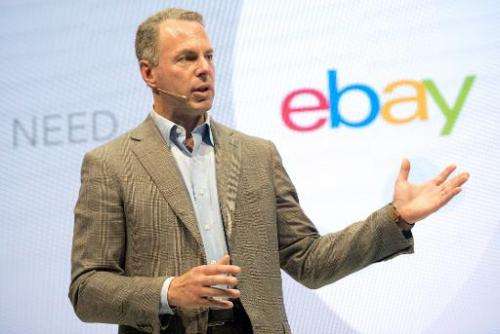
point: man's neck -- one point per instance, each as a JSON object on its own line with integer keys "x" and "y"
{"x": 189, "y": 120}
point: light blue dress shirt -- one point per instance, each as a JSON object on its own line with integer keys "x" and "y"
{"x": 198, "y": 172}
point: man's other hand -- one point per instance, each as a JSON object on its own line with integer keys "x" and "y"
{"x": 193, "y": 289}
{"x": 416, "y": 201}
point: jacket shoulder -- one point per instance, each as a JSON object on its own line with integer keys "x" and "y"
{"x": 245, "y": 139}
{"x": 113, "y": 148}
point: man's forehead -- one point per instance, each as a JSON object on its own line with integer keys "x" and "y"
{"x": 180, "y": 29}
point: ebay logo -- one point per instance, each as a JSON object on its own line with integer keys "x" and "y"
{"x": 423, "y": 90}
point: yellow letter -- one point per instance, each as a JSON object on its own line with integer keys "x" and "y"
{"x": 419, "y": 99}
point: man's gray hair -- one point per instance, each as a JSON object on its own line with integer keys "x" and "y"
{"x": 146, "y": 38}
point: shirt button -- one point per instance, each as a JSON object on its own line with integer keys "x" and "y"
{"x": 207, "y": 227}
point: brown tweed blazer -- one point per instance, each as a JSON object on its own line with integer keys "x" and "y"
{"x": 135, "y": 224}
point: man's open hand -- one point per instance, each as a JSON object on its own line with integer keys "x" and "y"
{"x": 416, "y": 201}
{"x": 193, "y": 289}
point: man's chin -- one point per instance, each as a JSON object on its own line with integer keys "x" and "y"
{"x": 200, "y": 107}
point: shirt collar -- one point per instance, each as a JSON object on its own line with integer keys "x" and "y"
{"x": 171, "y": 131}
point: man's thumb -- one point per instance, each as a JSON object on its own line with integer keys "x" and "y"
{"x": 224, "y": 260}
{"x": 404, "y": 171}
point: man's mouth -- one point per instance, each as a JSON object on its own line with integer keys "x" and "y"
{"x": 202, "y": 89}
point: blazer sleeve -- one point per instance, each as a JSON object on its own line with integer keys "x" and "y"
{"x": 315, "y": 260}
{"x": 99, "y": 290}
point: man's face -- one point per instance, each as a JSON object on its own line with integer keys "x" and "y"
{"x": 185, "y": 64}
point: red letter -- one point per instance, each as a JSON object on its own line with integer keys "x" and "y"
{"x": 287, "y": 109}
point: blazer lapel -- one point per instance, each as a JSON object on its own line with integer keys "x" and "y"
{"x": 156, "y": 158}
{"x": 227, "y": 164}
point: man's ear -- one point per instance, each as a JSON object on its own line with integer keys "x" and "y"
{"x": 147, "y": 73}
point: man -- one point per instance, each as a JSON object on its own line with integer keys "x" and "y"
{"x": 161, "y": 204}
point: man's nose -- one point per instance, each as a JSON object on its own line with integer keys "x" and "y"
{"x": 204, "y": 67}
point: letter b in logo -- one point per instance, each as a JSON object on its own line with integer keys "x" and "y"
{"x": 335, "y": 95}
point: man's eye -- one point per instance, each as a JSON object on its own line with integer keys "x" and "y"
{"x": 186, "y": 58}
{"x": 210, "y": 57}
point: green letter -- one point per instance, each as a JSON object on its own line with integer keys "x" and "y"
{"x": 451, "y": 114}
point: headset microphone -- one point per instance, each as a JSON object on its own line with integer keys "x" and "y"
{"x": 177, "y": 96}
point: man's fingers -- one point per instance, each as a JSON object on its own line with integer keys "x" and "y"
{"x": 214, "y": 292}
{"x": 219, "y": 280}
{"x": 444, "y": 174}
{"x": 449, "y": 194}
{"x": 219, "y": 304}
{"x": 222, "y": 266}
{"x": 461, "y": 179}
{"x": 213, "y": 269}
{"x": 455, "y": 191}
{"x": 457, "y": 181}
{"x": 453, "y": 187}
{"x": 214, "y": 303}
{"x": 404, "y": 171}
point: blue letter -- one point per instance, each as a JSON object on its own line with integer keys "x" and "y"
{"x": 335, "y": 96}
